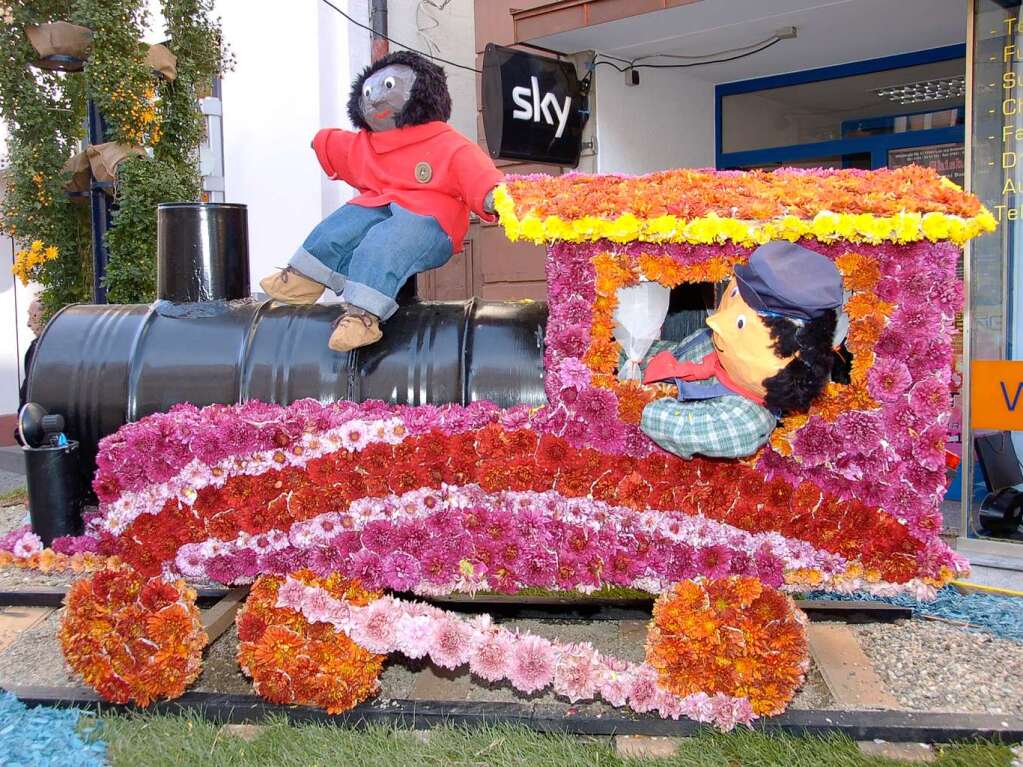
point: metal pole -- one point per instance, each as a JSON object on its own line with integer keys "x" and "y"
{"x": 101, "y": 203}
{"x": 378, "y": 22}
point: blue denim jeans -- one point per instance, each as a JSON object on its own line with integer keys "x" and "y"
{"x": 366, "y": 254}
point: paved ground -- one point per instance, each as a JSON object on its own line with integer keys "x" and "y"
{"x": 12, "y": 460}
{"x": 9, "y": 481}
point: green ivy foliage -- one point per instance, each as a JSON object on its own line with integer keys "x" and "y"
{"x": 142, "y": 184}
{"x": 45, "y": 113}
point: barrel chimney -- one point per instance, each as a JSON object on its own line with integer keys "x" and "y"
{"x": 202, "y": 252}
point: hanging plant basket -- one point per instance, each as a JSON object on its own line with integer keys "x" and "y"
{"x": 79, "y": 176}
{"x": 163, "y": 63}
{"x": 104, "y": 159}
{"x": 60, "y": 45}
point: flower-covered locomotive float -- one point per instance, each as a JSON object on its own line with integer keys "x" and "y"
{"x": 325, "y": 508}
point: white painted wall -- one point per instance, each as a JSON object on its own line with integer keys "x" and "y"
{"x": 447, "y": 31}
{"x": 15, "y": 335}
{"x": 667, "y": 121}
{"x": 292, "y": 77}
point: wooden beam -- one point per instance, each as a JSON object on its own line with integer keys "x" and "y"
{"x": 218, "y": 619}
{"x": 14, "y": 620}
{"x": 893, "y": 726}
{"x": 846, "y": 669}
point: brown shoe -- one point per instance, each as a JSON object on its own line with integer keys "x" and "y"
{"x": 291, "y": 287}
{"x": 353, "y": 329}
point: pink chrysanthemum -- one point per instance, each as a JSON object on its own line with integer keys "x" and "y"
{"x": 374, "y": 627}
{"x": 319, "y": 606}
{"x": 888, "y": 379}
{"x": 614, "y": 688}
{"x": 643, "y": 695}
{"x": 399, "y": 571}
{"x": 450, "y": 642}
{"x": 728, "y": 712}
{"x": 291, "y": 594}
{"x": 714, "y": 561}
{"x": 413, "y": 635}
{"x": 532, "y": 664}
{"x": 930, "y": 398}
{"x": 190, "y": 562}
{"x": 491, "y": 656}
{"x": 861, "y": 431}
{"x": 27, "y": 545}
{"x": 576, "y": 673}
{"x": 815, "y": 443}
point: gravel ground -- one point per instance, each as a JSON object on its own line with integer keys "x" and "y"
{"x": 932, "y": 666}
{"x": 34, "y": 658}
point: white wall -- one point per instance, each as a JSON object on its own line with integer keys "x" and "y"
{"x": 448, "y": 32}
{"x": 14, "y": 333}
{"x": 292, "y": 77}
{"x": 667, "y": 121}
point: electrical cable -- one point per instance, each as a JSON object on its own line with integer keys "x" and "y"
{"x": 686, "y": 66}
{"x": 400, "y": 45}
{"x": 705, "y": 55}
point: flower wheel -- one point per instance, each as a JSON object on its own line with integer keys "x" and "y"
{"x": 132, "y": 638}
{"x": 729, "y": 635}
{"x": 292, "y": 660}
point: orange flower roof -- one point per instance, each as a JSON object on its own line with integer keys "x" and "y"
{"x": 706, "y": 206}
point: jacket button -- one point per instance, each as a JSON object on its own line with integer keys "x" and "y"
{"x": 423, "y": 172}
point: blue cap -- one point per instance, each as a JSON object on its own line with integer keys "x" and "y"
{"x": 787, "y": 279}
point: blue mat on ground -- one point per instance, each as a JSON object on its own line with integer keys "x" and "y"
{"x": 46, "y": 737}
{"x": 991, "y": 613}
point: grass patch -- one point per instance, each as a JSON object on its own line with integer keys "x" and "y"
{"x": 16, "y": 497}
{"x": 166, "y": 741}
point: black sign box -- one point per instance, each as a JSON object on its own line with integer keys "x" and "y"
{"x": 534, "y": 107}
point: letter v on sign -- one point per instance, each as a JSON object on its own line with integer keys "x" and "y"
{"x": 996, "y": 395}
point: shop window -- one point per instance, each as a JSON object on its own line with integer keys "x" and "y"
{"x": 921, "y": 97}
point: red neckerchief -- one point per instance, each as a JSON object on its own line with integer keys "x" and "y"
{"x": 664, "y": 366}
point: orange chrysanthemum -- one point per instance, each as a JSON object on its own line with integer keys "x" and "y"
{"x": 292, "y": 660}
{"x": 730, "y": 635}
{"x": 131, "y": 638}
{"x": 754, "y": 195}
{"x": 859, "y": 272}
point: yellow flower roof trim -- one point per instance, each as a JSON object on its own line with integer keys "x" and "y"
{"x": 688, "y": 206}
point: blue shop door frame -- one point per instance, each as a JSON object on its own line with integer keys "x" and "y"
{"x": 874, "y": 147}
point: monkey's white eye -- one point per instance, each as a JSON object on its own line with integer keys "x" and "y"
{"x": 740, "y": 321}
{"x": 389, "y": 83}
{"x": 735, "y": 292}
{"x": 365, "y": 91}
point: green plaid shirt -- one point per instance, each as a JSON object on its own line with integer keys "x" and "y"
{"x": 731, "y": 426}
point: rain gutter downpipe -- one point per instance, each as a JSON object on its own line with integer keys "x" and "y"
{"x": 378, "y": 23}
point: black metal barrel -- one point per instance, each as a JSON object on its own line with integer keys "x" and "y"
{"x": 102, "y": 366}
{"x": 202, "y": 252}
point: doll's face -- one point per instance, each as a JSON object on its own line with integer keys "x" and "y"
{"x": 384, "y": 95}
{"x": 743, "y": 342}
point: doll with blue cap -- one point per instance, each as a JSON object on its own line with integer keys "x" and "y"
{"x": 766, "y": 352}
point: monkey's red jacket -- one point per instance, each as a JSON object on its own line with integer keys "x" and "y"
{"x": 429, "y": 169}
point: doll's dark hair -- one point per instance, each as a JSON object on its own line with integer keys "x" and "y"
{"x": 793, "y": 388}
{"x": 428, "y": 101}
